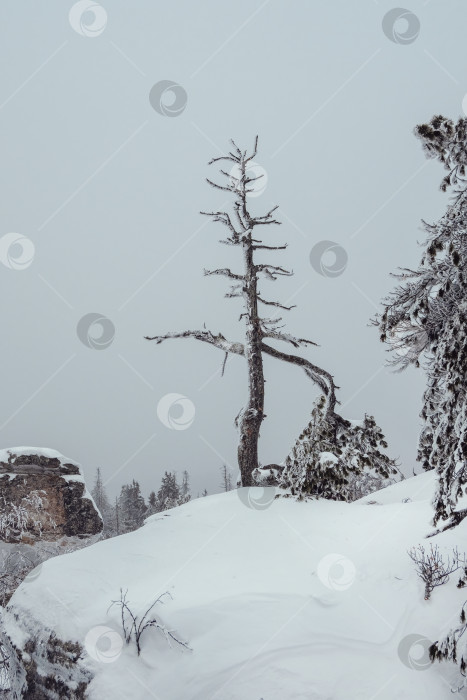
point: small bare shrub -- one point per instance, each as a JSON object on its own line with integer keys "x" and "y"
{"x": 133, "y": 627}
{"x": 432, "y": 568}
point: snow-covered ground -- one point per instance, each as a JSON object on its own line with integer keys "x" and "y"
{"x": 315, "y": 600}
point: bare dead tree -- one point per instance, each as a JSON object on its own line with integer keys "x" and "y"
{"x": 242, "y": 229}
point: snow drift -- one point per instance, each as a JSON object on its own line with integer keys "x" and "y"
{"x": 278, "y": 599}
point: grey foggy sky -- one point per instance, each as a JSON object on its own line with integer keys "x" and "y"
{"x": 109, "y": 192}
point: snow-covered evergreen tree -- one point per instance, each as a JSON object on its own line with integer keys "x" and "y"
{"x": 343, "y": 462}
{"x": 102, "y": 502}
{"x": 226, "y": 483}
{"x": 168, "y": 495}
{"x": 131, "y": 507}
{"x": 152, "y": 503}
{"x": 424, "y": 321}
{"x": 453, "y": 647}
{"x": 185, "y": 495}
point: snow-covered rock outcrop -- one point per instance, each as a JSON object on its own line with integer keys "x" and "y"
{"x": 45, "y": 510}
{"x": 43, "y": 496}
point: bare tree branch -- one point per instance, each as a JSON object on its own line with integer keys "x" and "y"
{"x": 268, "y": 215}
{"x": 255, "y": 151}
{"x": 275, "y": 303}
{"x": 243, "y": 225}
{"x": 236, "y": 290}
{"x": 224, "y": 271}
{"x": 230, "y": 157}
{"x": 204, "y": 336}
{"x": 288, "y": 338}
{"x": 224, "y": 363}
{"x": 219, "y": 187}
{"x": 270, "y": 247}
{"x": 319, "y": 376}
{"x": 272, "y": 271}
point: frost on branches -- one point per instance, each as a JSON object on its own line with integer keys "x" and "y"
{"x": 16, "y": 520}
{"x": 453, "y": 647}
{"x": 425, "y": 320}
{"x": 243, "y": 231}
{"x": 340, "y": 461}
{"x": 12, "y": 674}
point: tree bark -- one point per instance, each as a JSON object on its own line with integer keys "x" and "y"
{"x": 251, "y": 417}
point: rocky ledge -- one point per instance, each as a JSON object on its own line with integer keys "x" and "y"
{"x": 43, "y": 496}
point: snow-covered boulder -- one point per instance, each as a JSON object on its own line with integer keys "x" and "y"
{"x": 43, "y": 496}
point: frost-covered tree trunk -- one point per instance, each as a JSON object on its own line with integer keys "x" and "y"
{"x": 249, "y": 422}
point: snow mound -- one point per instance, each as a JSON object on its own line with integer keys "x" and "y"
{"x": 278, "y": 599}
{"x": 417, "y": 488}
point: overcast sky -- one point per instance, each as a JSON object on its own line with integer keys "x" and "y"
{"x": 103, "y": 187}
